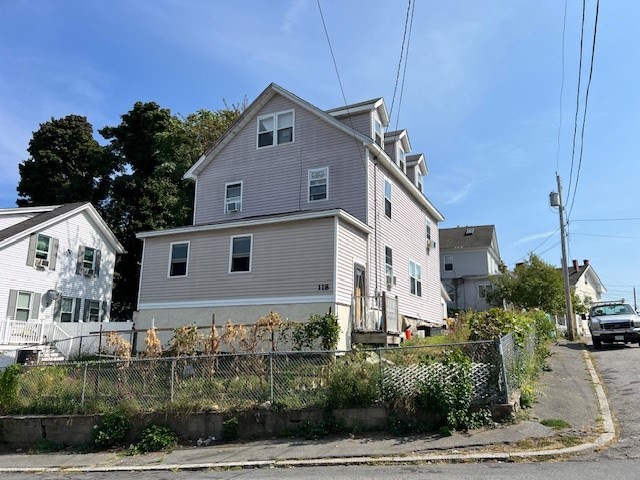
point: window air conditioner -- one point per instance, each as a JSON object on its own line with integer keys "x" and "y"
{"x": 233, "y": 207}
{"x": 431, "y": 243}
{"x": 41, "y": 263}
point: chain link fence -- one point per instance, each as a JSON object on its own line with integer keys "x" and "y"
{"x": 515, "y": 359}
{"x": 242, "y": 381}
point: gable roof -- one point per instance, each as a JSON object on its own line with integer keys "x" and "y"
{"x": 368, "y": 105}
{"x": 273, "y": 89}
{"x": 417, "y": 159}
{"x": 575, "y": 274}
{"x": 251, "y": 111}
{"x": 467, "y": 237}
{"x": 46, "y": 216}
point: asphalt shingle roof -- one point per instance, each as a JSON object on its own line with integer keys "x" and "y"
{"x": 37, "y": 220}
{"x": 458, "y": 237}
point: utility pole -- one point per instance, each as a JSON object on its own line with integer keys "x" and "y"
{"x": 556, "y": 201}
{"x": 635, "y": 303}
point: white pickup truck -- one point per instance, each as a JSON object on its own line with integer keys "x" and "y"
{"x": 613, "y": 321}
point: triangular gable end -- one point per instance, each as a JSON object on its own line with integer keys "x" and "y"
{"x": 249, "y": 114}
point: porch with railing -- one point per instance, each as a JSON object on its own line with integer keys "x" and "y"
{"x": 34, "y": 333}
{"x": 375, "y": 319}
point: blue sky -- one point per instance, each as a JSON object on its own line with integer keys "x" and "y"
{"x": 481, "y": 97}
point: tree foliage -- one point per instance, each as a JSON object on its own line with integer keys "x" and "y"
{"x": 532, "y": 284}
{"x": 135, "y": 180}
{"x": 66, "y": 165}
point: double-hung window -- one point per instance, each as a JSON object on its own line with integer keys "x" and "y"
{"x": 67, "y": 309}
{"x": 92, "y": 311}
{"x": 43, "y": 246}
{"x": 318, "y": 184}
{"x": 401, "y": 158}
{"x": 388, "y": 261}
{"x": 233, "y": 197}
{"x": 88, "y": 261}
{"x": 378, "y": 135}
{"x": 275, "y": 129}
{"x": 240, "y": 257}
{"x": 179, "y": 259}
{"x": 483, "y": 289}
{"x": 23, "y": 306}
{"x": 387, "y": 198}
{"x": 448, "y": 263}
{"x": 415, "y": 278}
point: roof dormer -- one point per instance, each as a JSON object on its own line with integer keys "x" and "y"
{"x": 416, "y": 169}
{"x": 369, "y": 117}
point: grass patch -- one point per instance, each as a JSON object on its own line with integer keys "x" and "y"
{"x": 555, "y": 423}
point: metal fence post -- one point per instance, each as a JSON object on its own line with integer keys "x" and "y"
{"x": 271, "y": 396}
{"x": 173, "y": 371}
{"x": 84, "y": 383}
{"x": 503, "y": 368}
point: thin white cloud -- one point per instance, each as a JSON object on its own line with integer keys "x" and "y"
{"x": 459, "y": 195}
{"x": 532, "y": 237}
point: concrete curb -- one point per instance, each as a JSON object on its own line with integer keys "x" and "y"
{"x": 605, "y": 438}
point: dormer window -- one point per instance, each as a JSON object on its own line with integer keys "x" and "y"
{"x": 419, "y": 182}
{"x": 378, "y": 135}
{"x": 401, "y": 158}
{"x": 275, "y": 129}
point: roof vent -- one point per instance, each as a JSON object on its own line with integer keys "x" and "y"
{"x": 469, "y": 231}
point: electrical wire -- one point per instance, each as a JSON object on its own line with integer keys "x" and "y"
{"x": 404, "y": 37}
{"x": 564, "y": 28}
{"x": 604, "y": 236}
{"x": 586, "y": 104}
{"x": 404, "y": 72}
{"x": 575, "y": 121}
{"x": 607, "y": 219}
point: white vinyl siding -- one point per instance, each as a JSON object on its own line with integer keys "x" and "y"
{"x": 277, "y": 254}
{"x": 276, "y": 181}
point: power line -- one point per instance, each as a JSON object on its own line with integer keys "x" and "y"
{"x": 406, "y": 59}
{"x": 604, "y": 236}
{"x": 586, "y": 104}
{"x": 607, "y": 219}
{"x": 404, "y": 36}
{"x": 575, "y": 120}
{"x": 335, "y": 65}
{"x": 564, "y": 28}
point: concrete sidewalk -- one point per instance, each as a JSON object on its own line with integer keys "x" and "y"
{"x": 569, "y": 392}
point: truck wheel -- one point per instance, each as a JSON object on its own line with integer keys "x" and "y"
{"x": 597, "y": 343}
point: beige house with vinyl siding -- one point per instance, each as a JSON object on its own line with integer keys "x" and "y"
{"x": 301, "y": 211}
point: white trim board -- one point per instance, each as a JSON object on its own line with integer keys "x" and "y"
{"x": 239, "y": 302}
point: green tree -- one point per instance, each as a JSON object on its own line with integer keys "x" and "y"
{"x": 153, "y": 149}
{"x": 532, "y": 284}
{"x": 66, "y": 165}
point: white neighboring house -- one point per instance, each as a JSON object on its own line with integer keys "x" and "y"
{"x": 586, "y": 284}
{"x": 57, "y": 264}
{"x": 470, "y": 256}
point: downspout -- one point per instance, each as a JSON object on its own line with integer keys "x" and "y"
{"x": 375, "y": 219}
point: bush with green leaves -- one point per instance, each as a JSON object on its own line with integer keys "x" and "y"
{"x": 450, "y": 396}
{"x": 9, "y": 383}
{"x": 320, "y": 329}
{"x": 154, "y": 438}
{"x": 112, "y": 430}
{"x": 353, "y": 383}
{"x": 230, "y": 429}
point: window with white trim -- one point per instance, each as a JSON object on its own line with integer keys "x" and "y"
{"x": 430, "y": 243}
{"x": 387, "y": 198}
{"x": 483, "y": 289}
{"x": 43, "y": 247}
{"x": 67, "y": 309}
{"x": 179, "y": 259}
{"x": 240, "y": 260}
{"x": 318, "y": 181}
{"x": 401, "y": 158}
{"x": 388, "y": 261}
{"x": 415, "y": 278}
{"x": 23, "y": 306}
{"x": 419, "y": 181}
{"x": 448, "y": 263}
{"x": 233, "y": 197}
{"x": 378, "y": 133}
{"x": 92, "y": 311}
{"x": 275, "y": 129}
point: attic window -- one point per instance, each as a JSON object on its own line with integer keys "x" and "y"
{"x": 378, "y": 135}
{"x": 275, "y": 129}
{"x": 402, "y": 158}
{"x": 469, "y": 231}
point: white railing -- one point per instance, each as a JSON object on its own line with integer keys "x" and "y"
{"x": 15, "y": 332}
{"x": 60, "y": 340}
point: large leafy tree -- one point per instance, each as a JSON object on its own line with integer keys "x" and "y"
{"x": 66, "y": 165}
{"x": 532, "y": 284}
{"x": 154, "y": 149}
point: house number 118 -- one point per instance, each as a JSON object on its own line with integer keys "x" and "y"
{"x": 323, "y": 286}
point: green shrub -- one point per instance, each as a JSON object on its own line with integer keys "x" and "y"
{"x": 112, "y": 430}
{"x": 450, "y": 396}
{"x": 9, "y": 382}
{"x": 353, "y": 383}
{"x": 323, "y": 328}
{"x": 230, "y": 429}
{"x": 153, "y": 439}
